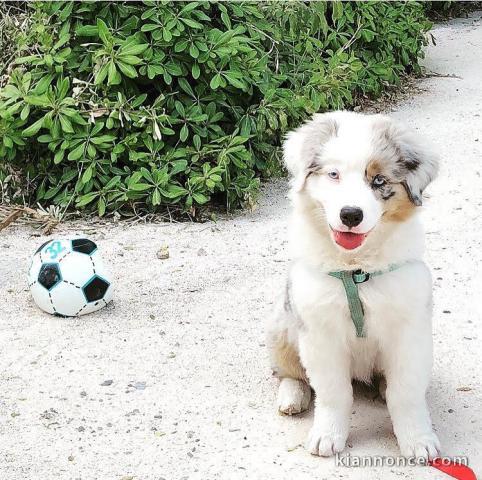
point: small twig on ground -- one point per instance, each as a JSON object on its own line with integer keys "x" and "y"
{"x": 441, "y": 75}
{"x": 14, "y": 213}
{"x": 10, "y": 218}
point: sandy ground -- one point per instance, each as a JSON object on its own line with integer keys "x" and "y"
{"x": 191, "y": 394}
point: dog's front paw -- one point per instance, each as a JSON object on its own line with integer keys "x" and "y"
{"x": 325, "y": 443}
{"x": 424, "y": 446}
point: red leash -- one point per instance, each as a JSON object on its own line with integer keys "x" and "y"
{"x": 455, "y": 470}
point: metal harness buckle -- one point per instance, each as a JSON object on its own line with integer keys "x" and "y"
{"x": 359, "y": 276}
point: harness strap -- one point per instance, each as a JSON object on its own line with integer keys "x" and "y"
{"x": 351, "y": 279}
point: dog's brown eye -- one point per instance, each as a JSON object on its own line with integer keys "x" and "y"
{"x": 334, "y": 175}
{"x": 378, "y": 181}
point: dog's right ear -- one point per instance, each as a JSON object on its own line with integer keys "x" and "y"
{"x": 303, "y": 147}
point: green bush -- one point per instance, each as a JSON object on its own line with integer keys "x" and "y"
{"x": 121, "y": 106}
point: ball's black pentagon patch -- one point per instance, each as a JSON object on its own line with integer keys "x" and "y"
{"x": 95, "y": 289}
{"x": 49, "y": 275}
{"x": 83, "y": 245}
{"x": 42, "y": 246}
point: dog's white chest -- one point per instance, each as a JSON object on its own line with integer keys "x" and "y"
{"x": 388, "y": 300}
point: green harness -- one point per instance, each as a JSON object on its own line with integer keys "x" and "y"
{"x": 351, "y": 279}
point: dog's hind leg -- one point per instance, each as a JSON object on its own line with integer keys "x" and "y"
{"x": 293, "y": 396}
{"x": 294, "y": 393}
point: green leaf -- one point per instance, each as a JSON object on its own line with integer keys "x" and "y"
{"x": 337, "y": 13}
{"x": 166, "y": 35}
{"x": 59, "y": 156}
{"x": 102, "y": 73}
{"x": 103, "y": 139}
{"x": 91, "y": 151}
{"x": 43, "y": 84}
{"x": 174, "y": 191}
{"x": 38, "y": 100}
{"x": 27, "y": 59}
{"x": 65, "y": 124}
{"x": 193, "y": 51}
{"x": 184, "y": 133}
{"x": 200, "y": 198}
{"x": 104, "y": 33}
{"x": 134, "y": 49}
{"x": 44, "y": 138}
{"x": 86, "y": 199}
{"x": 130, "y": 59}
{"x": 127, "y": 70}
{"x": 77, "y": 152}
{"x": 156, "y": 197}
{"x": 174, "y": 69}
{"x": 33, "y": 129}
{"x": 114, "y": 77}
{"x": 25, "y": 112}
{"x": 180, "y": 108}
{"x": 139, "y": 100}
{"x": 235, "y": 82}
{"x": 380, "y": 70}
{"x": 191, "y": 23}
{"x": 195, "y": 70}
{"x": 188, "y": 8}
{"x": 183, "y": 83}
{"x": 178, "y": 166}
{"x": 149, "y": 27}
{"x": 215, "y": 81}
{"x": 197, "y": 142}
{"x": 226, "y": 20}
{"x": 87, "y": 175}
{"x": 87, "y": 31}
{"x": 101, "y": 207}
{"x": 69, "y": 175}
{"x": 61, "y": 41}
{"x": 52, "y": 192}
{"x": 181, "y": 45}
{"x": 112, "y": 182}
{"x": 167, "y": 78}
{"x": 139, "y": 187}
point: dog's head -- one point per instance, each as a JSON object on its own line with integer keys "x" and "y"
{"x": 359, "y": 170}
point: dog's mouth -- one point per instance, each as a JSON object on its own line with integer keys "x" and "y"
{"x": 349, "y": 240}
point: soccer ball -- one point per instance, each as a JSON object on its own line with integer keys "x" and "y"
{"x": 67, "y": 278}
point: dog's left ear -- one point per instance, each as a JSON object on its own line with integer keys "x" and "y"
{"x": 415, "y": 163}
{"x": 303, "y": 146}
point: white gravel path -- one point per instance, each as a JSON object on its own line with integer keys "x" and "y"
{"x": 191, "y": 328}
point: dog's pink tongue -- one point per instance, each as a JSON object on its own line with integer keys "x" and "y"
{"x": 349, "y": 240}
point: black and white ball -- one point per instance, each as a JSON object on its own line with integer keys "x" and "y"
{"x": 67, "y": 277}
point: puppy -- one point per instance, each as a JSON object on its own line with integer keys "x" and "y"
{"x": 358, "y": 297}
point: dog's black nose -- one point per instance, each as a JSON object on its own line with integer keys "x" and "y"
{"x": 351, "y": 216}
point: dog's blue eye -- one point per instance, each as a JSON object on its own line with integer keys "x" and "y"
{"x": 334, "y": 175}
{"x": 378, "y": 181}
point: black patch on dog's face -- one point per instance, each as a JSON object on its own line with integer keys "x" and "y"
{"x": 409, "y": 164}
{"x": 406, "y": 161}
{"x": 314, "y": 167}
{"x": 384, "y": 191}
{"x": 387, "y": 193}
{"x": 405, "y": 166}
